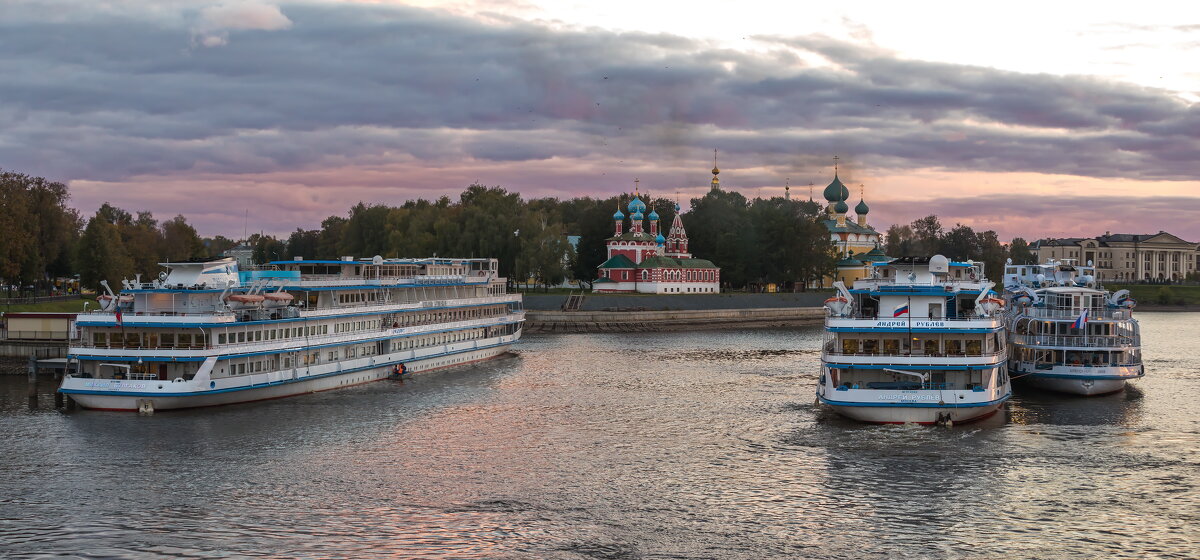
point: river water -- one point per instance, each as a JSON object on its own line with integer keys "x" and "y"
{"x": 671, "y": 445}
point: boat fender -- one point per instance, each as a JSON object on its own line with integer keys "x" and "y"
{"x": 177, "y": 380}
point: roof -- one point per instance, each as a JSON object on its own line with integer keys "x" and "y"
{"x": 696, "y": 263}
{"x": 618, "y": 261}
{"x": 630, "y": 236}
{"x": 658, "y": 262}
{"x": 850, "y": 227}
{"x": 874, "y": 255}
{"x": 849, "y": 261}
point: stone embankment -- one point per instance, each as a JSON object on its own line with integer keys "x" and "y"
{"x": 644, "y": 321}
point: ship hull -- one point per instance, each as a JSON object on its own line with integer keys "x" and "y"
{"x": 924, "y": 415}
{"x": 135, "y": 401}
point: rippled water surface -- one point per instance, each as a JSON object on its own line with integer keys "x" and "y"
{"x": 672, "y": 445}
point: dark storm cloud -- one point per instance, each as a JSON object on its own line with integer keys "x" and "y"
{"x": 108, "y": 94}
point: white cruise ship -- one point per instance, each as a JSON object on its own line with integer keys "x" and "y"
{"x": 1067, "y": 333}
{"x": 919, "y": 341}
{"x": 205, "y": 333}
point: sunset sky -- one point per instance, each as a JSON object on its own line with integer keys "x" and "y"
{"x": 1034, "y": 119}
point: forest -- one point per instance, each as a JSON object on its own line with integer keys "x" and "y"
{"x": 755, "y": 241}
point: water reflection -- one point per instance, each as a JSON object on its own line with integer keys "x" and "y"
{"x": 673, "y": 445}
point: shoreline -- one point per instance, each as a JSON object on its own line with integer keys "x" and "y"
{"x": 582, "y": 322}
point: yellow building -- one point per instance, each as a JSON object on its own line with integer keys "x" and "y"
{"x": 855, "y": 243}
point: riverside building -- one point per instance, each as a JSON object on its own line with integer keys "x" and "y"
{"x": 644, "y": 261}
{"x": 1124, "y": 257}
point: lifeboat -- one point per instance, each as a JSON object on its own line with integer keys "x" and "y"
{"x": 279, "y": 296}
{"x": 838, "y": 305}
{"x": 108, "y": 303}
{"x": 992, "y": 300}
{"x": 245, "y": 298}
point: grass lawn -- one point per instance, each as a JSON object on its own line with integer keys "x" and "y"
{"x": 1153, "y": 295}
{"x": 65, "y": 306}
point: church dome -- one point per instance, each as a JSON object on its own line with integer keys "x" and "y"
{"x": 676, "y": 207}
{"x": 636, "y": 205}
{"x": 653, "y": 215}
{"x": 660, "y": 239}
{"x": 862, "y": 208}
{"x": 618, "y": 215}
{"x": 836, "y": 190}
{"x": 636, "y": 216}
{"x": 841, "y": 207}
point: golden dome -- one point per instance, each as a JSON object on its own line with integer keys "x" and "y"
{"x": 716, "y": 171}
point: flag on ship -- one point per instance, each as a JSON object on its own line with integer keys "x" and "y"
{"x": 119, "y": 315}
{"x": 901, "y": 309}
{"x": 1081, "y": 320}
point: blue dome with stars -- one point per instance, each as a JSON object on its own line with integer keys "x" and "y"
{"x": 636, "y": 205}
{"x": 653, "y": 215}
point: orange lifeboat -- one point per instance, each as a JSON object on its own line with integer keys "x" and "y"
{"x": 245, "y": 298}
{"x": 279, "y": 297}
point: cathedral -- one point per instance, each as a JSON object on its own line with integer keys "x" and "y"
{"x": 642, "y": 260}
{"x": 856, "y": 243}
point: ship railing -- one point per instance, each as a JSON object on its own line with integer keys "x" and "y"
{"x": 1056, "y": 313}
{"x": 1090, "y": 341}
{"x": 958, "y": 317}
{"x": 366, "y": 335}
{"x": 832, "y": 352}
{"x": 400, "y": 306}
{"x": 906, "y": 283}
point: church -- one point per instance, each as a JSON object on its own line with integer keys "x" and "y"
{"x": 856, "y": 243}
{"x": 643, "y": 261}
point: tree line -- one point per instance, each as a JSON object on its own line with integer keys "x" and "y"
{"x": 926, "y": 236}
{"x": 754, "y": 242}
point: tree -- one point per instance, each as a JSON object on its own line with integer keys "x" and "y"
{"x": 217, "y": 245}
{"x": 102, "y": 255}
{"x": 900, "y": 241}
{"x": 303, "y": 243}
{"x": 179, "y": 240}
{"x": 37, "y": 229}
{"x": 1019, "y": 251}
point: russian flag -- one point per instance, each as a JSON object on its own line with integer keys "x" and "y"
{"x": 1082, "y": 320}
{"x": 901, "y": 309}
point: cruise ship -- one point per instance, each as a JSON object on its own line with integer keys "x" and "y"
{"x": 205, "y": 333}
{"x": 1068, "y": 334}
{"x": 921, "y": 340}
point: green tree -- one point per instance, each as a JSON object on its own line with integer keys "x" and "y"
{"x": 1019, "y": 251}
{"x": 101, "y": 255}
{"x": 180, "y": 240}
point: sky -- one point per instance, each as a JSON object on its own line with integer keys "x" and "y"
{"x": 1035, "y": 119}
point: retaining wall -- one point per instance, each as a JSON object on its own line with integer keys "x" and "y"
{"x": 680, "y": 302}
{"x": 641, "y": 321}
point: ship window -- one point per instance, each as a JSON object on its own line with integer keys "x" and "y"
{"x": 168, "y": 339}
{"x": 257, "y": 336}
{"x": 241, "y": 337}
{"x": 221, "y": 338}
{"x": 99, "y": 339}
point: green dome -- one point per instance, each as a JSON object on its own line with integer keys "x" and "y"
{"x": 862, "y": 207}
{"x": 841, "y": 207}
{"x": 836, "y": 190}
